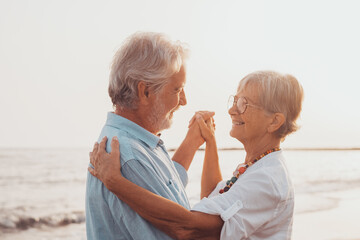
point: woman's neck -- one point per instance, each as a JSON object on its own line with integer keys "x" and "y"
{"x": 257, "y": 148}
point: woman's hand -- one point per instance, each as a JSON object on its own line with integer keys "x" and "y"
{"x": 193, "y": 135}
{"x": 206, "y": 115}
{"x": 106, "y": 165}
{"x": 207, "y": 126}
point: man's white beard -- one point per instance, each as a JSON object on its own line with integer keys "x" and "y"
{"x": 155, "y": 117}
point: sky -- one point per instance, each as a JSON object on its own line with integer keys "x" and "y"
{"x": 55, "y": 58}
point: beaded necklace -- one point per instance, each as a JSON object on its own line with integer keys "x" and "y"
{"x": 241, "y": 168}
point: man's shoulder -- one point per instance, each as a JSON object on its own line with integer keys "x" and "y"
{"x": 132, "y": 148}
{"x": 130, "y": 143}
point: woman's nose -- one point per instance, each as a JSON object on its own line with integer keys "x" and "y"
{"x": 183, "y": 98}
{"x": 233, "y": 110}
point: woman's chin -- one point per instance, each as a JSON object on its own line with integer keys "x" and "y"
{"x": 233, "y": 134}
{"x": 236, "y": 135}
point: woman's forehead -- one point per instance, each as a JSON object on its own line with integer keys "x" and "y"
{"x": 248, "y": 91}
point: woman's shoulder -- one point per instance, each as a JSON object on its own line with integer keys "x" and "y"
{"x": 271, "y": 174}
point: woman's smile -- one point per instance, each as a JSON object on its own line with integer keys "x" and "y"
{"x": 237, "y": 122}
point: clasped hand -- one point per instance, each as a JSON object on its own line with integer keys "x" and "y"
{"x": 202, "y": 127}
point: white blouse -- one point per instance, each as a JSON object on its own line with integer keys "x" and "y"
{"x": 259, "y": 205}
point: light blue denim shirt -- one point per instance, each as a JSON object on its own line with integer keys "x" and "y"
{"x": 145, "y": 162}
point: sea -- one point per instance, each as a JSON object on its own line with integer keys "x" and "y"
{"x": 42, "y": 191}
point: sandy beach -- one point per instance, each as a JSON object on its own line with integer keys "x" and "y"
{"x": 340, "y": 221}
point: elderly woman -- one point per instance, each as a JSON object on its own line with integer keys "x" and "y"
{"x": 258, "y": 201}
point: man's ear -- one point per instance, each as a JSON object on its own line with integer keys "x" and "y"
{"x": 143, "y": 93}
{"x": 278, "y": 120}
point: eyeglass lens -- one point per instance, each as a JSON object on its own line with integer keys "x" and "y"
{"x": 231, "y": 102}
{"x": 240, "y": 103}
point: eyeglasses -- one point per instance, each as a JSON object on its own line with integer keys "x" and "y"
{"x": 241, "y": 103}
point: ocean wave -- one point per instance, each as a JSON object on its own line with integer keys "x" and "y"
{"x": 306, "y": 203}
{"x": 11, "y": 223}
{"x": 16, "y": 180}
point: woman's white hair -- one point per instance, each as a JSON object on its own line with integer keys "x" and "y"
{"x": 144, "y": 56}
{"x": 278, "y": 93}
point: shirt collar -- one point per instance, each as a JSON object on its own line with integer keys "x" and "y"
{"x": 266, "y": 160}
{"x": 132, "y": 128}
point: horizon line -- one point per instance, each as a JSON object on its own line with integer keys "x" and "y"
{"x": 288, "y": 148}
{"x": 171, "y": 149}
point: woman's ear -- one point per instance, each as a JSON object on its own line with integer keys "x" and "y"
{"x": 278, "y": 120}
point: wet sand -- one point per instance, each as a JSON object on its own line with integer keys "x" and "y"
{"x": 339, "y": 222}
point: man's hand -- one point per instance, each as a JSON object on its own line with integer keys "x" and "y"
{"x": 207, "y": 128}
{"x": 193, "y": 136}
{"x": 106, "y": 165}
{"x": 206, "y": 115}
{"x": 193, "y": 140}
{"x": 194, "y": 133}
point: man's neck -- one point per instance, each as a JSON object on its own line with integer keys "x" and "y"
{"x": 137, "y": 117}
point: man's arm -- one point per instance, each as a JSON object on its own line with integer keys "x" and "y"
{"x": 193, "y": 140}
{"x": 185, "y": 153}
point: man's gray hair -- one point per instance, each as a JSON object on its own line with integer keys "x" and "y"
{"x": 145, "y": 56}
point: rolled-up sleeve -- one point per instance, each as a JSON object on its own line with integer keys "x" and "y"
{"x": 245, "y": 207}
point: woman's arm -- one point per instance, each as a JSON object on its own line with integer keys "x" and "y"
{"x": 168, "y": 216}
{"x": 211, "y": 174}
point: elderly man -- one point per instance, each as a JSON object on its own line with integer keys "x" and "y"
{"x": 146, "y": 87}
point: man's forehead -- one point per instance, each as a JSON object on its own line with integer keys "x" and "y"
{"x": 179, "y": 78}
